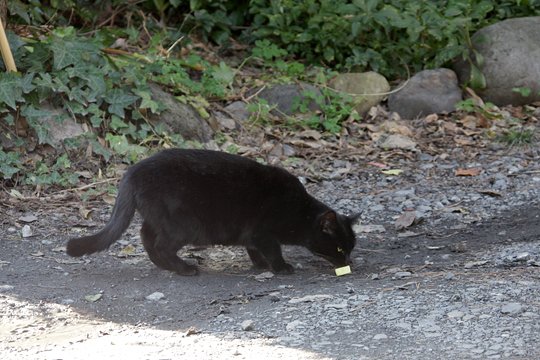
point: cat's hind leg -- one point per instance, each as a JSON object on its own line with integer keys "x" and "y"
{"x": 258, "y": 259}
{"x": 162, "y": 251}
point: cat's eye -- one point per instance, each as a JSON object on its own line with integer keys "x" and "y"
{"x": 339, "y": 250}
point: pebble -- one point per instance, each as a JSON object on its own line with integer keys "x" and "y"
{"x": 6, "y": 287}
{"x": 155, "y": 296}
{"x": 247, "y": 325}
{"x": 455, "y": 314}
{"x": 402, "y": 275}
{"x": 310, "y": 298}
{"x": 512, "y": 308}
{"x": 293, "y": 325}
{"x": 26, "y": 231}
{"x": 380, "y": 337}
{"x": 264, "y": 276}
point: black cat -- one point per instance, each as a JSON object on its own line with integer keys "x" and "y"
{"x": 207, "y": 197}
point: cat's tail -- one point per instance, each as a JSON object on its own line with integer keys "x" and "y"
{"x": 123, "y": 212}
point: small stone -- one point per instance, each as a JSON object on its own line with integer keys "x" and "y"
{"x": 455, "y": 314}
{"x": 449, "y": 276}
{"x": 310, "y": 298}
{"x": 471, "y": 264}
{"x": 264, "y": 276}
{"x": 397, "y": 141}
{"x": 337, "y": 306}
{"x": 6, "y": 287}
{"x": 524, "y": 256}
{"x": 28, "y": 218}
{"x": 274, "y": 296}
{"x": 155, "y": 296}
{"x": 247, "y": 325}
{"x": 293, "y": 325}
{"x": 512, "y": 308}
{"x": 26, "y": 231}
{"x": 358, "y": 228}
{"x": 238, "y": 110}
{"x": 402, "y": 275}
{"x": 380, "y": 337}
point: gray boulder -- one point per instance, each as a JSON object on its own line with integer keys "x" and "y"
{"x": 60, "y": 126}
{"x": 286, "y": 97}
{"x": 180, "y": 118}
{"x": 427, "y": 92}
{"x": 511, "y": 53}
{"x": 368, "y": 88}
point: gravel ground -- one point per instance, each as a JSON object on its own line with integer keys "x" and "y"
{"x": 458, "y": 280}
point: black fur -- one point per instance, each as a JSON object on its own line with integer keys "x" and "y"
{"x": 207, "y": 197}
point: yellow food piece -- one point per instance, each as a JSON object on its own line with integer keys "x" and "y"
{"x": 343, "y": 270}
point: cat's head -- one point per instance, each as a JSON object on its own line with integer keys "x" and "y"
{"x": 334, "y": 238}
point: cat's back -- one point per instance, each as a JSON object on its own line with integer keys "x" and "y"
{"x": 194, "y": 165}
{"x": 194, "y": 160}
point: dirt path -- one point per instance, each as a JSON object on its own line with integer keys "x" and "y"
{"x": 450, "y": 294}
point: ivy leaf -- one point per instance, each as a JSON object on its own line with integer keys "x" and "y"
{"x": 117, "y": 123}
{"x": 68, "y": 52}
{"x": 121, "y": 146}
{"x": 11, "y": 89}
{"x": 99, "y": 149}
{"x": 224, "y": 74}
{"x": 118, "y": 100}
{"x": 147, "y": 102}
{"x": 33, "y": 117}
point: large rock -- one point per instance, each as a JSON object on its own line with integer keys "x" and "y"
{"x": 511, "y": 53}
{"x": 180, "y": 118}
{"x": 427, "y": 92}
{"x": 60, "y": 126}
{"x": 286, "y": 97}
{"x": 368, "y": 88}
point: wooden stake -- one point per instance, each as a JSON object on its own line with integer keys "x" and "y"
{"x": 7, "y": 56}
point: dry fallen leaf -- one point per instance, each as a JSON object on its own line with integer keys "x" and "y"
{"x": 468, "y": 172}
{"x": 431, "y": 118}
{"x": 109, "y": 199}
{"x": 191, "y": 331}
{"x": 128, "y": 250}
{"x": 377, "y": 164}
{"x": 405, "y": 220}
{"x": 394, "y": 127}
{"x": 464, "y": 140}
{"x": 392, "y": 172}
{"x": 85, "y": 213}
{"x": 469, "y": 121}
{"x": 490, "y": 193}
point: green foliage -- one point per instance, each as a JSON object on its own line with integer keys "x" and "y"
{"x": 488, "y": 110}
{"x": 523, "y": 91}
{"x": 380, "y": 35}
{"x": 10, "y": 164}
{"x": 518, "y": 137}
{"x": 273, "y": 59}
{"x": 335, "y": 109}
{"x": 75, "y": 79}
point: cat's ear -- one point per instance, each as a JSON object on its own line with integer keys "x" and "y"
{"x": 328, "y": 222}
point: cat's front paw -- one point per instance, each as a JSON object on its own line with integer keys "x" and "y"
{"x": 283, "y": 269}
